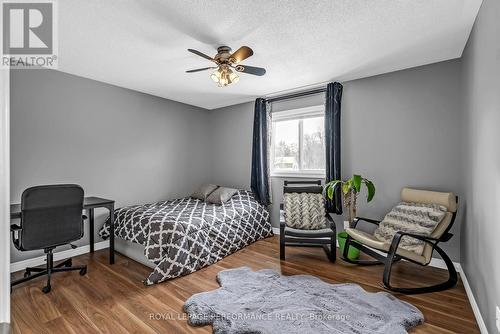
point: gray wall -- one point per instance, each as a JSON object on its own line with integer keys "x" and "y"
{"x": 433, "y": 127}
{"x": 116, "y": 143}
{"x": 481, "y": 228}
{"x": 398, "y": 129}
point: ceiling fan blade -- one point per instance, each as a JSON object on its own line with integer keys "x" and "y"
{"x": 201, "y": 54}
{"x": 200, "y": 69}
{"x": 251, "y": 70}
{"x": 241, "y": 54}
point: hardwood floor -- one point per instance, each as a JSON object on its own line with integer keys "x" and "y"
{"x": 112, "y": 299}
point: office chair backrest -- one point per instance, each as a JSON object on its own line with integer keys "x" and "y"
{"x": 51, "y": 216}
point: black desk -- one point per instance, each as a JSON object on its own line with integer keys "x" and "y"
{"x": 89, "y": 204}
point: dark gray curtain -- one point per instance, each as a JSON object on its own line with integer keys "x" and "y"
{"x": 260, "y": 176}
{"x": 332, "y": 142}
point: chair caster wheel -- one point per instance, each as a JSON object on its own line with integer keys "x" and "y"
{"x": 46, "y": 289}
{"x": 27, "y": 274}
{"x": 83, "y": 271}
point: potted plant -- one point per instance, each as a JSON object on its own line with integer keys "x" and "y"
{"x": 350, "y": 191}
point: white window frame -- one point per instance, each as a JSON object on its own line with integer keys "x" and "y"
{"x": 296, "y": 114}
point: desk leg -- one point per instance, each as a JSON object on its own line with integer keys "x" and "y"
{"x": 112, "y": 234}
{"x": 91, "y": 230}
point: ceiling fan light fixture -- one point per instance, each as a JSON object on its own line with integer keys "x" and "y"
{"x": 234, "y": 77}
{"x": 224, "y": 80}
{"x": 215, "y": 77}
{"x": 226, "y": 62}
{"x": 224, "y": 76}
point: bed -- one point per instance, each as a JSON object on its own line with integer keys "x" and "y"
{"x": 183, "y": 235}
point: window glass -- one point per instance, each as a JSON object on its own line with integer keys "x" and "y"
{"x": 298, "y": 143}
{"x": 286, "y": 145}
{"x": 313, "y": 148}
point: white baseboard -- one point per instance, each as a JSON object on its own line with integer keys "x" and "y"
{"x": 439, "y": 263}
{"x": 40, "y": 260}
{"x": 473, "y": 303}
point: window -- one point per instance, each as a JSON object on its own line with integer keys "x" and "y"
{"x": 298, "y": 142}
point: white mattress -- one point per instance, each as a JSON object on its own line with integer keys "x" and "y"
{"x": 133, "y": 251}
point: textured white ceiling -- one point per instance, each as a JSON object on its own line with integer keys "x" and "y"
{"x": 142, "y": 45}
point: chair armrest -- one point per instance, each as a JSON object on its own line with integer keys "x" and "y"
{"x": 400, "y": 234}
{"x": 282, "y": 218}
{"x": 368, "y": 220}
{"x": 417, "y": 236}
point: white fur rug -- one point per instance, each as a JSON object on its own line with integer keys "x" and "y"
{"x": 267, "y": 302}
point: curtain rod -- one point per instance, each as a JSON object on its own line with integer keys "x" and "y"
{"x": 295, "y": 95}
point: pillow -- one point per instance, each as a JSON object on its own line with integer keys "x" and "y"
{"x": 203, "y": 192}
{"x": 221, "y": 195}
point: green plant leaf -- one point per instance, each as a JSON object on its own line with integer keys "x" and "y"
{"x": 371, "y": 190}
{"x": 330, "y": 188}
{"x": 330, "y": 192}
{"x": 356, "y": 182}
{"x": 346, "y": 187}
{"x": 332, "y": 183}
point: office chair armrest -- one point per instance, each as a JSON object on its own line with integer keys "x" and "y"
{"x": 15, "y": 227}
{"x": 14, "y": 230}
{"x": 368, "y": 220}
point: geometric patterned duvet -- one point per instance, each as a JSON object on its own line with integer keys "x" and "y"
{"x": 184, "y": 235}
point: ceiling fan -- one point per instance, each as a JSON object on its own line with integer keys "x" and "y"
{"x": 225, "y": 63}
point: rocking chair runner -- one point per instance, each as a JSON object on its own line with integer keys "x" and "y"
{"x": 367, "y": 242}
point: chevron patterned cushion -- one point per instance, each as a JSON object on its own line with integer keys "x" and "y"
{"x": 305, "y": 211}
{"x": 415, "y": 218}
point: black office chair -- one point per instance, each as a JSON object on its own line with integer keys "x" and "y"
{"x": 51, "y": 216}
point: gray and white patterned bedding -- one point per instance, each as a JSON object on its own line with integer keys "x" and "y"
{"x": 183, "y": 235}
